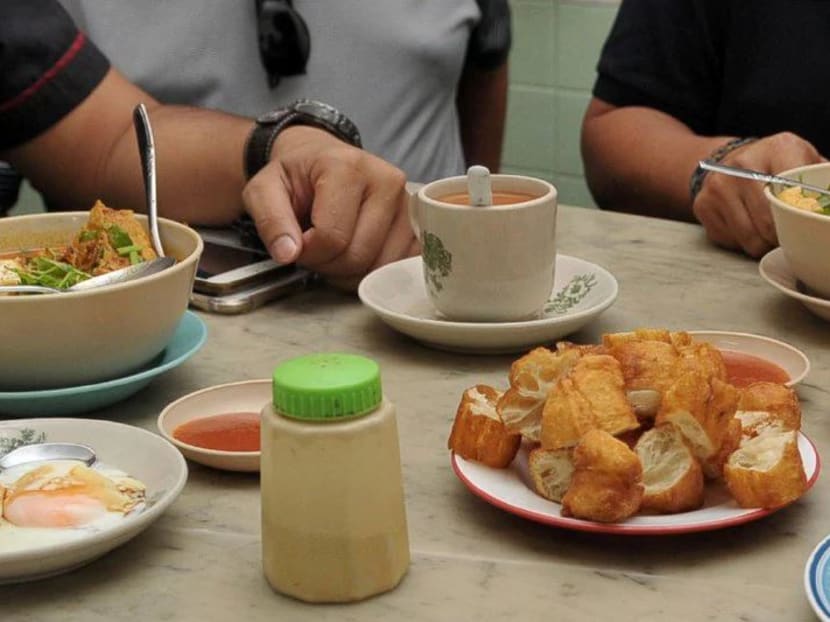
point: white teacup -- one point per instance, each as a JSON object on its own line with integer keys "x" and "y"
{"x": 487, "y": 264}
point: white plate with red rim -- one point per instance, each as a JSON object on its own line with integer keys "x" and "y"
{"x": 396, "y": 293}
{"x": 776, "y": 271}
{"x": 789, "y": 358}
{"x": 139, "y": 453}
{"x": 511, "y": 490}
{"x": 247, "y": 396}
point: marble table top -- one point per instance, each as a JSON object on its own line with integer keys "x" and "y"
{"x": 470, "y": 560}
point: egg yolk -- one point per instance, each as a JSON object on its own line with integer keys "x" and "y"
{"x": 53, "y": 508}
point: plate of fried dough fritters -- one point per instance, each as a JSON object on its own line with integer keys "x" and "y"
{"x": 640, "y": 434}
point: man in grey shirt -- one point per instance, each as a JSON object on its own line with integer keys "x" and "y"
{"x": 425, "y": 82}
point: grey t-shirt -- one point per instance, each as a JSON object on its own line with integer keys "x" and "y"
{"x": 392, "y": 66}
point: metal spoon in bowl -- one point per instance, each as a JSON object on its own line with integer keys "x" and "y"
{"x": 147, "y": 153}
{"x": 135, "y": 271}
{"x": 40, "y": 452}
{"x": 747, "y": 173}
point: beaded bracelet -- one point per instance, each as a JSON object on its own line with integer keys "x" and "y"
{"x": 696, "y": 181}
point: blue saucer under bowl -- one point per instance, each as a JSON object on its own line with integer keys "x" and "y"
{"x": 190, "y": 335}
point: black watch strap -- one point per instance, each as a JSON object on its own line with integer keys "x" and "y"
{"x": 301, "y": 112}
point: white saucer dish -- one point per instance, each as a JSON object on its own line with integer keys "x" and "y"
{"x": 396, "y": 293}
{"x": 234, "y": 397}
{"x": 510, "y": 490}
{"x": 137, "y": 452}
{"x": 817, "y": 580}
{"x": 776, "y": 271}
{"x": 787, "y": 357}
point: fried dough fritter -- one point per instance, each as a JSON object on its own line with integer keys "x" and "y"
{"x": 478, "y": 432}
{"x": 779, "y": 401}
{"x": 591, "y": 396}
{"x": 606, "y": 485}
{"x": 531, "y": 378}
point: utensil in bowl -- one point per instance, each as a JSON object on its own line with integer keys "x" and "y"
{"x": 41, "y": 452}
{"x": 145, "y": 268}
{"x": 147, "y": 153}
{"x": 746, "y": 173}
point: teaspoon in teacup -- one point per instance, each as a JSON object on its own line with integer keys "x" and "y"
{"x": 42, "y": 452}
{"x": 122, "y": 275}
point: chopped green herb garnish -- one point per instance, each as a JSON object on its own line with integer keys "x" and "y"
{"x": 50, "y": 272}
{"x": 118, "y": 237}
{"x": 128, "y": 250}
{"x": 88, "y": 235}
{"x": 135, "y": 257}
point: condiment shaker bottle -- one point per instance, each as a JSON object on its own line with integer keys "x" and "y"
{"x": 333, "y": 515}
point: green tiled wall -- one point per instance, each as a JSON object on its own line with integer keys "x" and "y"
{"x": 556, "y": 44}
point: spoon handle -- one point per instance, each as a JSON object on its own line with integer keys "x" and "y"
{"x": 147, "y": 152}
{"x": 747, "y": 173}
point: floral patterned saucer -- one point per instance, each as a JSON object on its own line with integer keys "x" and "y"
{"x": 397, "y": 294}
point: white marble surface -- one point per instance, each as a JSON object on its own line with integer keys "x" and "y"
{"x": 201, "y": 561}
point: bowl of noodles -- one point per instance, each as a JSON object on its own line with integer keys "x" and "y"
{"x": 83, "y": 337}
{"x": 802, "y": 222}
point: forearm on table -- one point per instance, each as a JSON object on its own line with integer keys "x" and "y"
{"x": 92, "y": 153}
{"x": 482, "y": 107}
{"x": 640, "y": 160}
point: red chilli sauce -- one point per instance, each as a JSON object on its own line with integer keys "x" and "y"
{"x": 226, "y": 432}
{"x": 744, "y": 369}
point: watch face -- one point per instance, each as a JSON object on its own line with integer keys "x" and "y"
{"x": 319, "y": 110}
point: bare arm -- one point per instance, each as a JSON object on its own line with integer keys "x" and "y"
{"x": 482, "y": 106}
{"x": 639, "y": 160}
{"x": 92, "y": 153}
{"x": 353, "y": 203}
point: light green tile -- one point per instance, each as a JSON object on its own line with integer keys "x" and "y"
{"x": 581, "y": 30}
{"x": 573, "y": 191}
{"x": 530, "y": 134}
{"x": 530, "y": 172}
{"x": 570, "y": 108}
{"x": 533, "y": 55}
{"x": 28, "y": 201}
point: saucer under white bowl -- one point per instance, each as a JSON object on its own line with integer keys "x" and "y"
{"x": 776, "y": 271}
{"x": 396, "y": 292}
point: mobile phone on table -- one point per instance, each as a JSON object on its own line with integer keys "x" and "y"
{"x": 236, "y": 274}
{"x": 247, "y": 298}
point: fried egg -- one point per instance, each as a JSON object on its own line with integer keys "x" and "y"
{"x": 63, "y": 500}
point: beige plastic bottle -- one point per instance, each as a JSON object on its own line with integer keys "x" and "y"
{"x": 333, "y": 516}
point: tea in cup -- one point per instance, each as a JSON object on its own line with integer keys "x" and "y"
{"x": 487, "y": 264}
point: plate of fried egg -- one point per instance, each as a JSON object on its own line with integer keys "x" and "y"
{"x": 57, "y": 515}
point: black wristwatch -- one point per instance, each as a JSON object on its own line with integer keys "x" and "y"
{"x": 301, "y": 112}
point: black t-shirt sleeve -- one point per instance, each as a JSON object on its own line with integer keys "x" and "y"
{"x": 491, "y": 39}
{"x": 47, "y": 68}
{"x": 664, "y": 54}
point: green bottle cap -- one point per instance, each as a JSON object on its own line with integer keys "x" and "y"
{"x": 327, "y": 386}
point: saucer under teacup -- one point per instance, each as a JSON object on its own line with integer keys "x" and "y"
{"x": 776, "y": 271}
{"x": 397, "y": 294}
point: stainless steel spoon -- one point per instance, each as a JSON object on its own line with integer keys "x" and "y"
{"x": 147, "y": 153}
{"x": 145, "y": 268}
{"x": 47, "y": 451}
{"x": 747, "y": 173}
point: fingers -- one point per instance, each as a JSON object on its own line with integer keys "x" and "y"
{"x": 735, "y": 212}
{"x": 357, "y": 230}
{"x": 268, "y": 201}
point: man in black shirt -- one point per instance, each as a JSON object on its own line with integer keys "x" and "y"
{"x": 683, "y": 80}
{"x": 66, "y": 125}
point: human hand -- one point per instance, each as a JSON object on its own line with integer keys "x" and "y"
{"x": 334, "y": 209}
{"x": 734, "y": 212}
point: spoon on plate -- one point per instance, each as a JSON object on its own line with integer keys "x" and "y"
{"x": 41, "y": 452}
{"x": 122, "y": 275}
{"x": 747, "y": 173}
{"x": 147, "y": 153}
